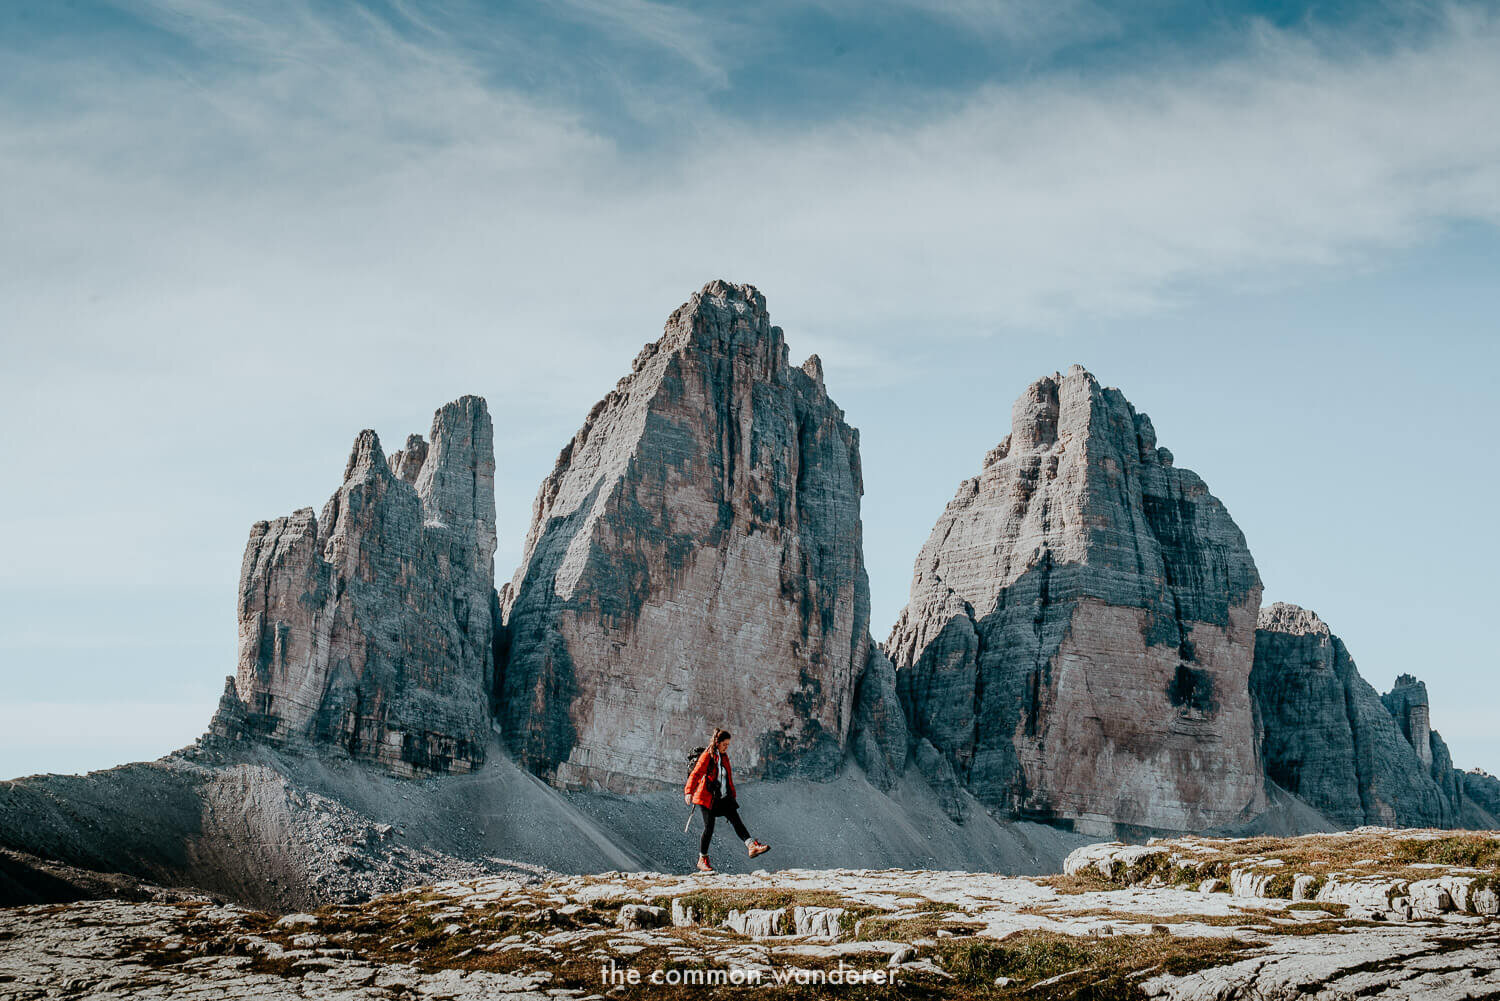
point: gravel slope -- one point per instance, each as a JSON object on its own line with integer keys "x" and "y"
{"x": 278, "y": 831}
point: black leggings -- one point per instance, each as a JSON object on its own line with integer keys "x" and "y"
{"x": 732, "y": 812}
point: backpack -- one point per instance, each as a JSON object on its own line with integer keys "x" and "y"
{"x": 692, "y": 761}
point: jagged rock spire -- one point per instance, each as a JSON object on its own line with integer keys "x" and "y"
{"x": 370, "y": 628}
{"x": 1080, "y": 632}
{"x": 694, "y": 560}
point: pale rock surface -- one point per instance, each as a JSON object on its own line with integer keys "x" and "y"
{"x": 1102, "y": 859}
{"x": 1398, "y": 963}
{"x": 1361, "y": 885}
{"x": 1079, "y": 637}
{"x": 119, "y": 950}
{"x": 637, "y": 916}
{"x": 820, "y": 922}
{"x": 756, "y": 922}
{"x": 694, "y": 560}
{"x": 369, "y": 630}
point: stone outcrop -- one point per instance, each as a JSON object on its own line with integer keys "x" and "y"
{"x": 371, "y": 628}
{"x": 694, "y": 560}
{"x": 1328, "y": 737}
{"x": 1408, "y": 703}
{"x": 1350, "y": 926}
{"x": 1081, "y": 627}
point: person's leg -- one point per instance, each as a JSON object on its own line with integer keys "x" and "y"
{"x": 708, "y": 829}
{"x": 739, "y": 825}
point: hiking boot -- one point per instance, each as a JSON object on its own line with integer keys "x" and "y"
{"x": 756, "y": 848}
{"x": 704, "y": 865}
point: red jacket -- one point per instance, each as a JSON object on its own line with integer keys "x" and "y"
{"x": 706, "y": 774}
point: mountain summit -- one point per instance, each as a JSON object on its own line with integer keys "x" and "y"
{"x": 1081, "y": 628}
{"x": 694, "y": 560}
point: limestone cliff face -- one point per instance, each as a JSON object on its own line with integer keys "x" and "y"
{"x": 1407, "y": 701}
{"x": 879, "y": 735}
{"x": 371, "y": 628}
{"x": 694, "y": 560}
{"x": 1329, "y": 738}
{"x": 1081, "y": 627}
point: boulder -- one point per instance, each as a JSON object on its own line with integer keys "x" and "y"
{"x": 634, "y": 917}
{"x": 819, "y": 922}
{"x": 757, "y": 922}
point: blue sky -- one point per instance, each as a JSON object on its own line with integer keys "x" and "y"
{"x": 232, "y": 235}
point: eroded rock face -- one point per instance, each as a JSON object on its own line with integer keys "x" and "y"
{"x": 1482, "y": 790}
{"x": 1329, "y": 738}
{"x": 878, "y": 738}
{"x": 694, "y": 560}
{"x": 371, "y": 628}
{"x": 1303, "y": 684}
{"x": 1081, "y": 627}
{"x": 1407, "y": 701}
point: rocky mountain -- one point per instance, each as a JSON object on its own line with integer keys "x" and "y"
{"x": 694, "y": 559}
{"x": 1083, "y": 647}
{"x": 1330, "y": 739}
{"x": 369, "y": 630}
{"x": 1081, "y": 629}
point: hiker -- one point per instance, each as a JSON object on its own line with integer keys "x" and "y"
{"x": 711, "y": 787}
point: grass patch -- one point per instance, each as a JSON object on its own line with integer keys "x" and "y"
{"x": 1337, "y": 910}
{"x": 1280, "y": 886}
{"x": 924, "y": 925}
{"x": 1102, "y": 968}
{"x": 1083, "y": 882}
{"x": 1468, "y": 850}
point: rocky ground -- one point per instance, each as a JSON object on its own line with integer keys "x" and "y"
{"x": 285, "y": 832}
{"x": 1371, "y": 913}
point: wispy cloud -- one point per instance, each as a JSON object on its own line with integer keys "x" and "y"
{"x": 346, "y": 196}
{"x": 345, "y": 191}
{"x": 323, "y": 222}
{"x": 685, "y": 34}
{"x": 385, "y": 158}
{"x": 1030, "y": 22}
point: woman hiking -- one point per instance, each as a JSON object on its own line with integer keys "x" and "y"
{"x": 711, "y": 787}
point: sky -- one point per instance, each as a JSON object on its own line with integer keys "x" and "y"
{"x": 233, "y": 235}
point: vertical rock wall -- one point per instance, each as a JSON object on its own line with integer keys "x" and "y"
{"x": 1408, "y": 703}
{"x": 1330, "y": 739}
{"x": 370, "y": 628}
{"x": 1080, "y": 633}
{"x": 694, "y": 560}
{"x": 1078, "y": 646}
